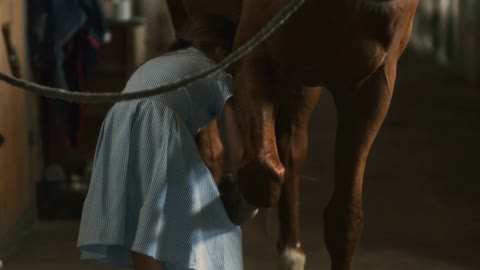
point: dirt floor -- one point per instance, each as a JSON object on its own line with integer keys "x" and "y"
{"x": 421, "y": 197}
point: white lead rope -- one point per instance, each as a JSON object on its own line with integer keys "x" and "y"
{"x": 88, "y": 97}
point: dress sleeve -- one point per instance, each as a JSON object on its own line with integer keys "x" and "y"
{"x": 224, "y": 91}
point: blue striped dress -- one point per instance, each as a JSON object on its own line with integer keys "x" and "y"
{"x": 150, "y": 190}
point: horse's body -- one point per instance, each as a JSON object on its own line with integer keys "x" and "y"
{"x": 350, "y": 47}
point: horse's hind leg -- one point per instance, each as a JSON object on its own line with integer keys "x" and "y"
{"x": 292, "y": 142}
{"x": 361, "y": 112}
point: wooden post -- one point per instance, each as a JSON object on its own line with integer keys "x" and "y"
{"x": 159, "y": 32}
{"x": 450, "y": 31}
{"x": 16, "y": 183}
{"x": 422, "y": 36}
{"x": 476, "y": 30}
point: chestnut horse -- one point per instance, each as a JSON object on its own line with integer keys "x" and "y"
{"x": 350, "y": 47}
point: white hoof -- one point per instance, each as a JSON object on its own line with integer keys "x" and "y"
{"x": 292, "y": 259}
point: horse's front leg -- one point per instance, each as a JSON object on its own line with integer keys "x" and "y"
{"x": 292, "y": 140}
{"x": 261, "y": 174}
{"x": 361, "y": 111}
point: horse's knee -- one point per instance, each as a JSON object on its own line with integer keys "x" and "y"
{"x": 261, "y": 182}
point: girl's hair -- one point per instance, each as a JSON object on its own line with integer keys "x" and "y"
{"x": 179, "y": 44}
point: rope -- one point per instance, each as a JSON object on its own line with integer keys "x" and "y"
{"x": 88, "y": 97}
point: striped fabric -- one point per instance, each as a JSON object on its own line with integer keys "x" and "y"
{"x": 150, "y": 190}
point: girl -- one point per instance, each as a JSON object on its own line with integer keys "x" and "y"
{"x": 152, "y": 203}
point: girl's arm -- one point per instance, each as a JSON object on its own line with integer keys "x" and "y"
{"x": 233, "y": 143}
{"x": 210, "y": 148}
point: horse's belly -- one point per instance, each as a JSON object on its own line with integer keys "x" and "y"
{"x": 318, "y": 62}
{"x": 321, "y": 48}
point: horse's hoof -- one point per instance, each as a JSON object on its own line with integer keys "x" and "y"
{"x": 238, "y": 210}
{"x": 292, "y": 259}
{"x": 261, "y": 184}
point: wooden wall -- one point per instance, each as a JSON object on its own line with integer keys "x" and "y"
{"x": 20, "y": 160}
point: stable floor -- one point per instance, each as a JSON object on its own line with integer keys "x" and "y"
{"x": 421, "y": 187}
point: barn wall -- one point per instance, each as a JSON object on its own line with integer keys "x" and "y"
{"x": 449, "y": 30}
{"x": 20, "y": 159}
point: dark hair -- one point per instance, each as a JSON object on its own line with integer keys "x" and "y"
{"x": 205, "y": 33}
{"x": 179, "y": 44}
